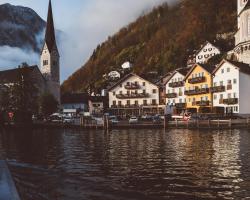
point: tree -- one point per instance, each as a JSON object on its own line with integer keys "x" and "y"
{"x": 23, "y": 95}
{"x": 48, "y": 104}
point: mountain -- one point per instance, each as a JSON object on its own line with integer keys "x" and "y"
{"x": 20, "y": 27}
{"x": 159, "y": 41}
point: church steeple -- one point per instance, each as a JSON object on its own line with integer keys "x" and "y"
{"x": 50, "y": 38}
{"x": 50, "y": 58}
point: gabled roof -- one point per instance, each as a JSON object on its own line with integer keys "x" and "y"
{"x": 127, "y": 77}
{"x": 245, "y": 8}
{"x": 243, "y": 67}
{"x": 208, "y": 68}
{"x": 207, "y": 42}
{"x": 50, "y": 39}
{"x": 12, "y": 75}
{"x": 182, "y": 71}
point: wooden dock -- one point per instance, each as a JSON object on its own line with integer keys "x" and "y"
{"x": 8, "y": 189}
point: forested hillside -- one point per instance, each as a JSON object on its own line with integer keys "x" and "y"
{"x": 159, "y": 41}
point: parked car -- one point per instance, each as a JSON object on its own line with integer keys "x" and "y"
{"x": 55, "y": 119}
{"x": 133, "y": 120}
{"x": 157, "y": 119}
{"x": 113, "y": 120}
{"x": 147, "y": 117}
{"x": 68, "y": 120}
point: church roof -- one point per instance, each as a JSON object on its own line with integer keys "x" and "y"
{"x": 50, "y": 38}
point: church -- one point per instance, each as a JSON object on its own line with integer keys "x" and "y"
{"x": 47, "y": 77}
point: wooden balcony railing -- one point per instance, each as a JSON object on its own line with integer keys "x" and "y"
{"x": 132, "y": 86}
{"x": 176, "y": 84}
{"x": 132, "y": 96}
{"x": 197, "y": 91}
{"x": 181, "y": 105}
{"x": 171, "y": 95}
{"x": 217, "y": 89}
{"x": 197, "y": 80}
{"x": 231, "y": 101}
{"x": 202, "y": 103}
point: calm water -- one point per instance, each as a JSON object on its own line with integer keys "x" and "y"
{"x": 129, "y": 165}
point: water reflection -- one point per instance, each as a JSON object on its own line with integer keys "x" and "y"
{"x": 129, "y": 164}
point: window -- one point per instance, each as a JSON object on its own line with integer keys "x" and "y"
{"x": 235, "y": 95}
{"x": 114, "y": 103}
{"x": 221, "y": 83}
{"x": 222, "y": 71}
{"x": 221, "y": 96}
{"x": 228, "y": 69}
{"x": 154, "y": 101}
{"x": 144, "y": 91}
{"x": 229, "y": 82}
{"x": 119, "y": 103}
{"x": 202, "y": 74}
{"x": 144, "y": 84}
{"x": 120, "y": 92}
{"x": 136, "y": 103}
{"x": 215, "y": 97}
{"x": 154, "y": 91}
{"x": 45, "y": 62}
{"x": 113, "y": 93}
{"x": 235, "y": 81}
{"x": 128, "y": 102}
{"x": 145, "y": 102}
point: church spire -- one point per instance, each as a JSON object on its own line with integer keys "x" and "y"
{"x": 50, "y": 38}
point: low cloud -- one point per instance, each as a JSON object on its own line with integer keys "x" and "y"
{"x": 11, "y": 57}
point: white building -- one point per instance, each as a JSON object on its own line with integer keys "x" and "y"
{"x": 175, "y": 87}
{"x": 206, "y": 52}
{"x": 242, "y": 36}
{"x": 231, "y": 87}
{"x": 133, "y": 95}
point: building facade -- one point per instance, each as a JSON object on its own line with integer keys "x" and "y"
{"x": 133, "y": 95}
{"x": 197, "y": 88}
{"x": 230, "y": 87}
{"x": 242, "y": 36}
{"x": 207, "y": 51}
{"x": 175, "y": 87}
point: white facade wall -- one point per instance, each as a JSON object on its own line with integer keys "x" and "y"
{"x": 240, "y": 88}
{"x": 146, "y": 86}
{"x": 181, "y": 98}
{"x": 244, "y": 99}
{"x": 207, "y": 52}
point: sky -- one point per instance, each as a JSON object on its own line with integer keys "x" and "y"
{"x": 84, "y": 23}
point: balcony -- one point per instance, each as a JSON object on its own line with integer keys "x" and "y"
{"x": 217, "y": 89}
{"x": 180, "y": 105}
{"x": 132, "y": 96}
{"x": 197, "y": 91}
{"x": 132, "y": 86}
{"x": 176, "y": 84}
{"x": 197, "y": 80}
{"x": 202, "y": 103}
{"x": 231, "y": 101}
{"x": 171, "y": 95}
{"x": 229, "y": 87}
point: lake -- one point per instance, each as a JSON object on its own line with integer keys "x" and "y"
{"x": 128, "y": 164}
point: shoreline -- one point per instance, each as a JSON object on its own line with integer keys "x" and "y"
{"x": 190, "y": 125}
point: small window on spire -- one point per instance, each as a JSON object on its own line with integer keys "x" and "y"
{"x": 45, "y": 62}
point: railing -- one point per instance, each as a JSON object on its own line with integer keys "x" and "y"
{"x": 176, "y": 84}
{"x": 132, "y": 86}
{"x": 202, "y": 103}
{"x": 180, "y": 105}
{"x": 230, "y": 101}
{"x": 132, "y": 96}
{"x": 218, "y": 89}
{"x": 171, "y": 95}
{"x": 197, "y": 80}
{"x": 197, "y": 91}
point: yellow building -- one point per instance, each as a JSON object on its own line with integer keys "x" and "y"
{"x": 198, "y": 82}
